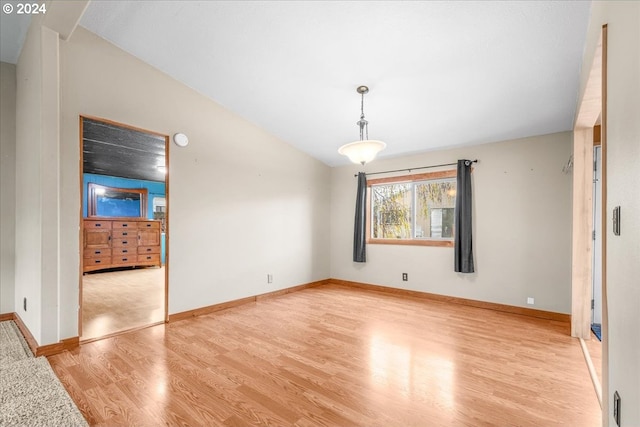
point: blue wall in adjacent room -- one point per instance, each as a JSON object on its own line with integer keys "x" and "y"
{"x": 154, "y": 189}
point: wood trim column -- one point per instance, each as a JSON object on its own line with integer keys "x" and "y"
{"x": 589, "y": 110}
{"x": 582, "y": 251}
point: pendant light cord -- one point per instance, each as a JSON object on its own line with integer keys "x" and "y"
{"x": 364, "y": 125}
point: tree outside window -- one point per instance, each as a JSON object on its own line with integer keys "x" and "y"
{"x": 391, "y": 211}
{"x": 414, "y": 212}
{"x": 435, "y": 203}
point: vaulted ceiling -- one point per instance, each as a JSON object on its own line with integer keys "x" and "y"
{"x": 441, "y": 74}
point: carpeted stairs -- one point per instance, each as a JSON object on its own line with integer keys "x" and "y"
{"x": 30, "y": 392}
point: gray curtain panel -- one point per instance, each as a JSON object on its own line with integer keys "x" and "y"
{"x": 463, "y": 233}
{"x": 359, "y": 228}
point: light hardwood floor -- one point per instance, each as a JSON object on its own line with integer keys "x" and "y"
{"x": 336, "y": 356}
{"x": 114, "y": 301}
{"x": 595, "y": 352}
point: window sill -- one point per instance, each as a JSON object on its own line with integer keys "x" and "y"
{"x": 411, "y": 242}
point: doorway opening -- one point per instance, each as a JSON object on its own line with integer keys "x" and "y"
{"x": 596, "y": 295}
{"x": 124, "y": 193}
{"x": 588, "y": 283}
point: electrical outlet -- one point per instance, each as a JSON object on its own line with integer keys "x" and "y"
{"x": 531, "y": 301}
{"x": 269, "y": 278}
{"x": 24, "y": 303}
{"x": 616, "y": 407}
{"x": 405, "y": 277}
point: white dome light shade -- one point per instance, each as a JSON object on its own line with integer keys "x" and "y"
{"x": 361, "y": 152}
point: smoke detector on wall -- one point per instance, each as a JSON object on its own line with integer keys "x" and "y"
{"x": 181, "y": 139}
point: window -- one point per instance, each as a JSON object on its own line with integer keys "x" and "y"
{"x": 160, "y": 212}
{"x": 414, "y": 209}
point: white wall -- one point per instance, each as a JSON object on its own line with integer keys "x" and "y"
{"x": 28, "y": 251}
{"x": 242, "y": 204}
{"x": 522, "y": 228}
{"x": 7, "y": 185}
{"x": 623, "y": 184}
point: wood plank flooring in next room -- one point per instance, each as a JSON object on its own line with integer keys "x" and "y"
{"x": 117, "y": 300}
{"x": 336, "y": 356}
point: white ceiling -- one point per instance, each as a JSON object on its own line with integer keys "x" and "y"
{"x": 441, "y": 74}
{"x": 13, "y": 30}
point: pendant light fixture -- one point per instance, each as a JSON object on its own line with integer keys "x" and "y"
{"x": 364, "y": 150}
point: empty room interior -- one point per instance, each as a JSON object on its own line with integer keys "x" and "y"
{"x": 326, "y": 213}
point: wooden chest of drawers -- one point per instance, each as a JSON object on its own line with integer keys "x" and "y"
{"x": 120, "y": 242}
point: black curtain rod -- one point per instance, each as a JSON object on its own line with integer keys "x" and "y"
{"x": 421, "y": 167}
